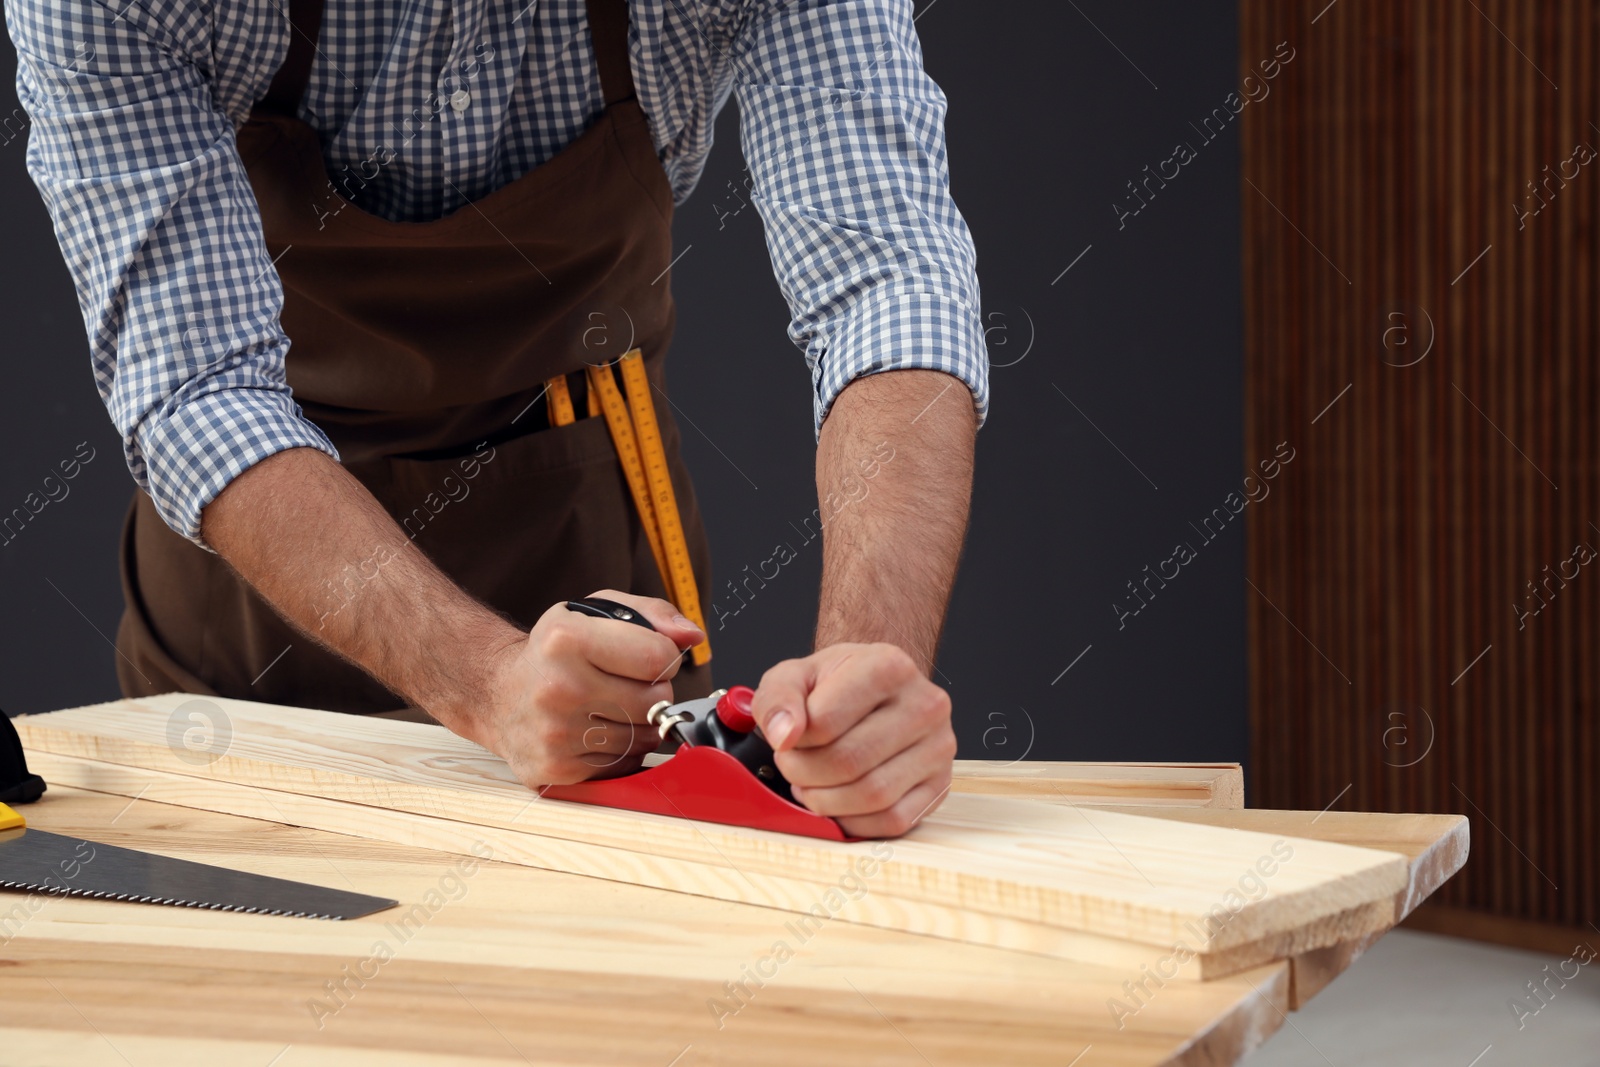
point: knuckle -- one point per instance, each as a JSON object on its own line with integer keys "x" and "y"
{"x": 849, "y": 763}
{"x": 877, "y": 794}
{"x": 894, "y": 661}
{"x": 933, "y": 706}
{"x": 559, "y": 641}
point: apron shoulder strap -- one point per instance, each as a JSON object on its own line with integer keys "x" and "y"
{"x": 608, "y": 33}
{"x": 289, "y": 84}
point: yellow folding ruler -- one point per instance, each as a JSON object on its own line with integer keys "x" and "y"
{"x": 637, "y": 436}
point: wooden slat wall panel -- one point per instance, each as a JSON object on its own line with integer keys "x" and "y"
{"x": 1421, "y": 505}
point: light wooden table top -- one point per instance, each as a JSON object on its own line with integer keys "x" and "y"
{"x": 518, "y": 965}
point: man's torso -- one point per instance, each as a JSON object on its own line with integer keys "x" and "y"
{"x": 424, "y": 106}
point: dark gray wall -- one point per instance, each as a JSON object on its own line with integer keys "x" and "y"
{"x": 1116, "y": 400}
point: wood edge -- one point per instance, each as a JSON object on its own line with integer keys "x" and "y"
{"x": 1375, "y": 911}
{"x": 1311, "y": 972}
{"x": 1230, "y": 791}
{"x": 1435, "y": 865}
{"x": 1255, "y": 1016}
{"x": 1361, "y": 922}
{"x": 983, "y": 768}
{"x": 1454, "y": 828}
{"x": 1205, "y": 785}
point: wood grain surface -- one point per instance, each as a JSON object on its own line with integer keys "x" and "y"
{"x": 515, "y": 965}
{"x": 788, "y": 894}
{"x": 1049, "y": 878}
{"x": 1435, "y": 846}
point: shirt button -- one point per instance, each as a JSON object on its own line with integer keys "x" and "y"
{"x": 460, "y": 99}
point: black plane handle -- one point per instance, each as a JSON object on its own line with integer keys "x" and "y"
{"x": 601, "y": 608}
{"x": 17, "y": 785}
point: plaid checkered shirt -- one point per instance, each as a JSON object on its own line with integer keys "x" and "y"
{"x": 133, "y": 106}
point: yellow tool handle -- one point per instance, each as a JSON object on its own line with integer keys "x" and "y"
{"x": 9, "y": 819}
{"x": 680, "y": 577}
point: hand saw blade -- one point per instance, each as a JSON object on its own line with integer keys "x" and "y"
{"x": 53, "y": 863}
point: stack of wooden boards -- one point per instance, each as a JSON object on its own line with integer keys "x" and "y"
{"x": 1180, "y": 892}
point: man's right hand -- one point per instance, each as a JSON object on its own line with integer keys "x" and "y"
{"x": 569, "y": 702}
{"x": 561, "y": 703}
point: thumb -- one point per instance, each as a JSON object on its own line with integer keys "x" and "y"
{"x": 779, "y": 706}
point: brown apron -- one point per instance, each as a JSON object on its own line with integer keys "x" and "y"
{"x": 422, "y": 349}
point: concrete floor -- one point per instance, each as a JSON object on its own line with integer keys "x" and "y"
{"x": 1419, "y": 1000}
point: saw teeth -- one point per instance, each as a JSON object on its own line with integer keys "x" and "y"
{"x": 98, "y": 894}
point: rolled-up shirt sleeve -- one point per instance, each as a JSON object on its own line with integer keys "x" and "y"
{"x": 136, "y": 162}
{"x": 843, "y": 132}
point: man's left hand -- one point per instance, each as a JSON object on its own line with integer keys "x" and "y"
{"x": 861, "y": 733}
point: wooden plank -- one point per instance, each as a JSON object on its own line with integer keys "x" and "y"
{"x": 449, "y": 836}
{"x": 1435, "y": 847}
{"x": 984, "y": 869}
{"x": 1205, "y": 785}
{"x": 595, "y": 973}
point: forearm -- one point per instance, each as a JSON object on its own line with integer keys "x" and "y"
{"x": 322, "y": 551}
{"x": 891, "y": 540}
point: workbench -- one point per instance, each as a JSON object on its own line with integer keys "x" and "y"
{"x": 511, "y": 964}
